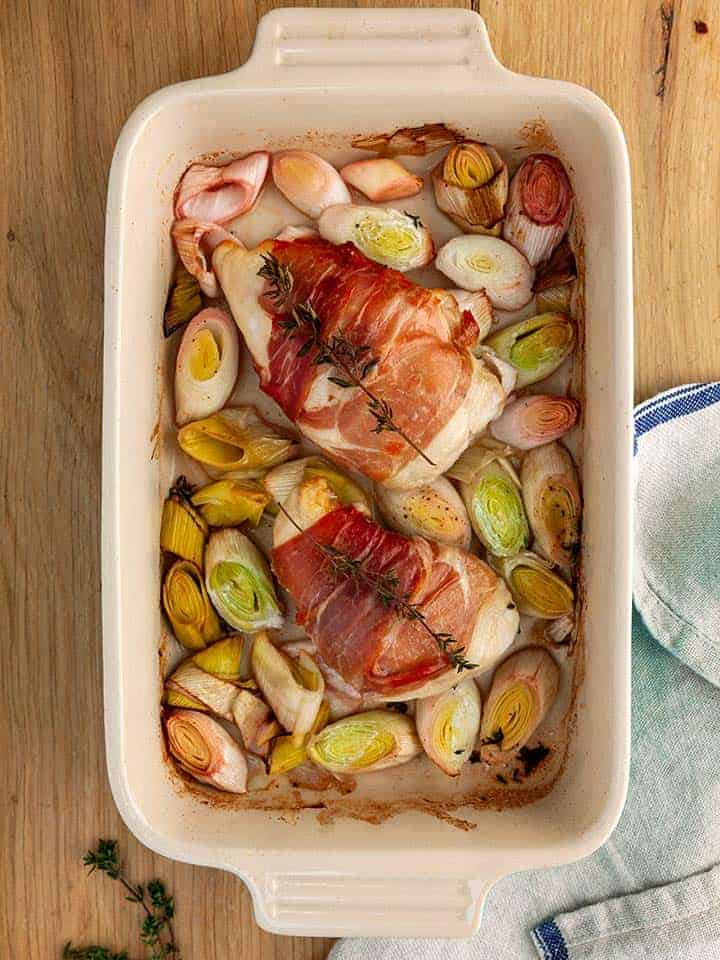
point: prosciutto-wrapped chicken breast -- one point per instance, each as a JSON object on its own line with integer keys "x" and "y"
{"x": 357, "y": 633}
{"x": 409, "y": 346}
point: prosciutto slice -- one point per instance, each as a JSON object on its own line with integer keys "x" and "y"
{"x": 360, "y": 637}
{"x": 440, "y": 395}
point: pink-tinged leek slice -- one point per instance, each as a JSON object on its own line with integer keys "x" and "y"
{"x": 390, "y": 237}
{"x": 293, "y": 687}
{"x": 195, "y": 241}
{"x": 237, "y": 440}
{"x": 309, "y": 182}
{"x": 365, "y": 742}
{"x": 409, "y": 141}
{"x": 296, "y": 233}
{"x": 479, "y": 306}
{"x": 188, "y": 607}
{"x": 220, "y": 194}
{"x": 471, "y": 187}
{"x": 204, "y": 749}
{"x": 255, "y": 721}
{"x": 536, "y": 589}
{"x": 559, "y": 271}
{"x": 215, "y": 694}
{"x": 434, "y": 511}
{"x": 523, "y": 689}
{"x": 539, "y": 207}
{"x": 381, "y": 179}
{"x": 535, "y": 347}
{"x": 552, "y": 500}
{"x": 448, "y": 725}
{"x": 228, "y": 503}
{"x": 239, "y": 582}
{"x": 484, "y": 263}
{"x": 207, "y": 365}
{"x": 534, "y": 420}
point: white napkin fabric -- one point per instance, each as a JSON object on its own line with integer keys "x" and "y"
{"x": 653, "y": 890}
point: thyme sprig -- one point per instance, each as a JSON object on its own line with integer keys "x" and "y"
{"x": 386, "y": 588}
{"x": 350, "y": 359}
{"x": 156, "y": 930}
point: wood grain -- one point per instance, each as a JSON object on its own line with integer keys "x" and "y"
{"x": 71, "y": 72}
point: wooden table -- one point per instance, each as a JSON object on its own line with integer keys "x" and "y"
{"x": 72, "y": 70}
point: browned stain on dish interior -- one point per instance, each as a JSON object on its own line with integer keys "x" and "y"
{"x": 287, "y": 801}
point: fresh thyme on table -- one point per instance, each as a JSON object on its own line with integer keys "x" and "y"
{"x": 385, "y": 587}
{"x": 347, "y": 357}
{"x": 156, "y": 929}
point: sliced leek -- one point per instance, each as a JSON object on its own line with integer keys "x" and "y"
{"x": 390, "y": 237}
{"x": 188, "y": 607}
{"x": 489, "y": 264}
{"x": 224, "y": 659}
{"x": 535, "y": 420}
{"x": 183, "y": 530}
{"x": 539, "y": 208}
{"x": 287, "y": 753}
{"x": 215, "y": 694}
{"x": 206, "y": 750}
{"x": 434, "y": 511}
{"x": 552, "y": 500}
{"x": 228, "y": 503}
{"x": 183, "y": 301}
{"x": 254, "y": 719}
{"x": 365, "y": 742}
{"x": 536, "y": 589}
{"x": 471, "y": 187}
{"x": 293, "y": 688}
{"x": 207, "y": 365}
{"x": 448, "y": 725}
{"x": 523, "y": 689}
{"x": 236, "y": 439}
{"x": 281, "y": 481}
{"x": 535, "y": 347}
{"x": 239, "y": 582}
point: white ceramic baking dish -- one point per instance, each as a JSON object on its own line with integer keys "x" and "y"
{"x": 339, "y": 72}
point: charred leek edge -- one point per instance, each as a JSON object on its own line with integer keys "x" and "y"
{"x": 236, "y": 439}
{"x": 523, "y": 689}
{"x": 496, "y": 510}
{"x": 215, "y": 694}
{"x": 535, "y": 347}
{"x": 287, "y": 754}
{"x": 183, "y": 530}
{"x": 448, "y": 725}
{"x": 552, "y": 500}
{"x": 183, "y": 302}
{"x": 282, "y": 480}
{"x": 409, "y": 141}
{"x": 239, "y": 582}
{"x": 228, "y": 503}
{"x": 434, "y": 511}
{"x": 188, "y": 606}
{"x": 554, "y": 300}
{"x": 364, "y": 742}
{"x": 206, "y": 751}
{"x": 536, "y": 589}
{"x": 471, "y": 187}
{"x": 293, "y": 688}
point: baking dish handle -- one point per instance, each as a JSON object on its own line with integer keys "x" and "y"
{"x": 330, "y": 904}
{"x": 373, "y": 46}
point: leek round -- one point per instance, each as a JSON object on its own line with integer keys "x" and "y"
{"x": 206, "y": 750}
{"x": 448, "y": 725}
{"x": 536, "y": 589}
{"x": 390, "y": 237}
{"x": 207, "y": 365}
{"x": 489, "y": 264}
{"x": 535, "y": 347}
{"x": 523, "y": 689}
{"x": 471, "y": 186}
{"x": 309, "y": 182}
{"x": 539, "y": 207}
{"x": 228, "y": 503}
{"x": 365, "y": 742}
{"x": 183, "y": 529}
{"x": 237, "y": 440}
{"x": 552, "y": 500}
{"x": 293, "y": 687}
{"x": 239, "y": 582}
{"x": 434, "y": 511}
{"x": 381, "y": 179}
{"x": 535, "y": 420}
{"x": 188, "y": 607}
{"x": 219, "y": 194}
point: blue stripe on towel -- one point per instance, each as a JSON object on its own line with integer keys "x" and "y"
{"x": 549, "y": 941}
{"x": 664, "y": 397}
{"x": 675, "y": 404}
